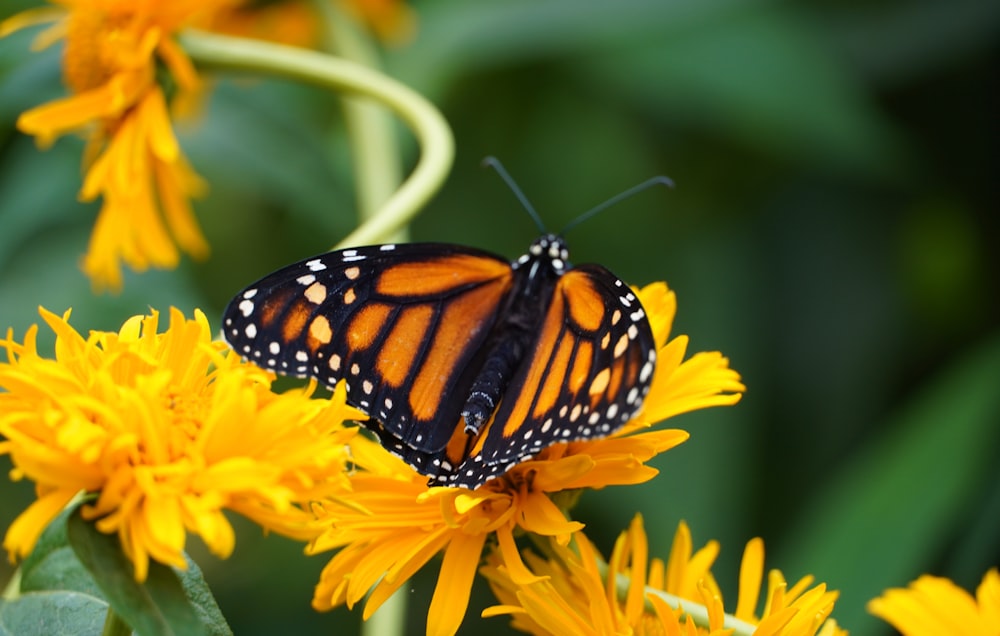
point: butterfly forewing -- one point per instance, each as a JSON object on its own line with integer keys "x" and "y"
{"x": 400, "y": 324}
{"x": 586, "y": 374}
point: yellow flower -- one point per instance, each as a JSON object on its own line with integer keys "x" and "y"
{"x": 396, "y": 523}
{"x": 292, "y": 22}
{"x": 576, "y": 592}
{"x": 167, "y": 430}
{"x": 113, "y": 50}
{"x": 935, "y": 605}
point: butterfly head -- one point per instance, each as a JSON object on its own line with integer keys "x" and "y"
{"x": 548, "y": 248}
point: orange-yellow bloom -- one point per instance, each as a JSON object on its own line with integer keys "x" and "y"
{"x": 292, "y": 22}
{"x": 576, "y": 592}
{"x": 113, "y": 50}
{"x": 935, "y": 605}
{"x": 397, "y": 524}
{"x": 167, "y": 430}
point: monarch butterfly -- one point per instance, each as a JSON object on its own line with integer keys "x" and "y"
{"x": 466, "y": 363}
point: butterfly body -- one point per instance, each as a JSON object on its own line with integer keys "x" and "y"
{"x": 467, "y": 364}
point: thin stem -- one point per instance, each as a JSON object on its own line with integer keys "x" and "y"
{"x": 13, "y": 589}
{"x": 373, "y": 143}
{"x": 114, "y": 625}
{"x": 390, "y": 618}
{"x": 428, "y": 125}
{"x": 696, "y": 611}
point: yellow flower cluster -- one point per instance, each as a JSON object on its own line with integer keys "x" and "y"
{"x": 166, "y": 431}
{"x": 576, "y": 592}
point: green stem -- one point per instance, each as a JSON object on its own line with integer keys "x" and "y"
{"x": 13, "y": 589}
{"x": 114, "y": 625}
{"x": 699, "y": 614}
{"x": 374, "y": 147}
{"x": 696, "y": 611}
{"x": 428, "y": 125}
{"x": 390, "y": 618}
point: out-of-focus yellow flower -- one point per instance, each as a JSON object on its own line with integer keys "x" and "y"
{"x": 934, "y": 605}
{"x": 576, "y": 592}
{"x": 292, "y": 22}
{"x": 167, "y": 430}
{"x": 396, "y": 523}
{"x": 113, "y": 50}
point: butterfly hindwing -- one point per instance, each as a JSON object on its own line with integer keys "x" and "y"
{"x": 399, "y": 323}
{"x": 585, "y": 375}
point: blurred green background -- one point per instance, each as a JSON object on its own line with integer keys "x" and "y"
{"x": 834, "y": 231}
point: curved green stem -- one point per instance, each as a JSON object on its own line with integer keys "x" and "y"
{"x": 373, "y": 142}
{"x": 428, "y": 125}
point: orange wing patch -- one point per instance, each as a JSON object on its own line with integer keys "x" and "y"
{"x": 552, "y": 387}
{"x": 272, "y": 308}
{"x": 581, "y": 366}
{"x": 401, "y": 347}
{"x": 295, "y": 321}
{"x": 617, "y": 371}
{"x": 439, "y": 275}
{"x": 586, "y": 306}
{"x": 463, "y": 318}
{"x": 320, "y": 333}
{"x": 366, "y": 325}
{"x": 547, "y": 341}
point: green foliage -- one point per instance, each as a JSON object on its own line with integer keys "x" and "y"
{"x": 76, "y": 572}
{"x": 52, "y": 614}
{"x": 898, "y": 499}
{"x": 169, "y": 602}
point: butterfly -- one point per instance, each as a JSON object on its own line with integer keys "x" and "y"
{"x": 465, "y": 362}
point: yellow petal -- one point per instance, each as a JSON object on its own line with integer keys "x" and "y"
{"x": 29, "y": 18}
{"x": 454, "y": 584}
{"x": 25, "y": 530}
{"x": 751, "y": 577}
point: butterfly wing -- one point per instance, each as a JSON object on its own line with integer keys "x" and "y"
{"x": 400, "y": 323}
{"x": 585, "y": 375}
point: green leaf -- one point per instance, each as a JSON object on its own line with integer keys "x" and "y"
{"x": 53, "y": 614}
{"x": 760, "y": 76}
{"x": 924, "y": 471}
{"x": 53, "y": 566}
{"x": 201, "y": 598}
{"x": 159, "y": 606}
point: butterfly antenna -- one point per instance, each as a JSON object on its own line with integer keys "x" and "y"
{"x": 493, "y": 162}
{"x": 618, "y": 198}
